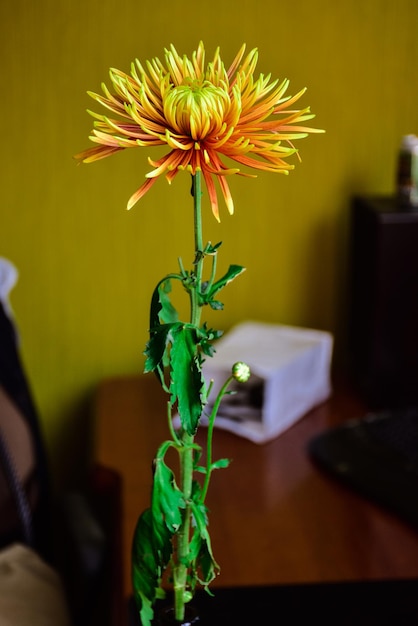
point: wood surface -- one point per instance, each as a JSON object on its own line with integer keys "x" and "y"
{"x": 274, "y": 517}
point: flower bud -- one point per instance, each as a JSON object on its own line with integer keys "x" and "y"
{"x": 241, "y": 371}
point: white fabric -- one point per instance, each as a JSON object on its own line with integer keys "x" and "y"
{"x": 8, "y": 279}
{"x": 290, "y": 374}
{"x": 30, "y": 591}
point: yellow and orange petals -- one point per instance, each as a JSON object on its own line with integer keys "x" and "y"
{"x": 235, "y": 63}
{"x": 202, "y": 112}
{"x": 226, "y": 194}
{"x": 213, "y": 198}
{"x": 280, "y": 166}
{"x": 172, "y": 161}
{"x": 95, "y": 154}
{"x": 139, "y": 193}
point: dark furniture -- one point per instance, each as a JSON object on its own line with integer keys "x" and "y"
{"x": 383, "y": 301}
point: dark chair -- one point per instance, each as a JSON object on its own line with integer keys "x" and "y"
{"x": 79, "y": 534}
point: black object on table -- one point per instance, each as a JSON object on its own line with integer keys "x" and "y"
{"x": 371, "y": 603}
{"x": 377, "y": 455}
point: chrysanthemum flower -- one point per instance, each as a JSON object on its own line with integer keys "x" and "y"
{"x": 202, "y": 113}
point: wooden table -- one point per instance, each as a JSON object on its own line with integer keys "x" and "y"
{"x": 274, "y": 518}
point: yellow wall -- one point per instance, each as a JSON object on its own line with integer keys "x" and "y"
{"x": 82, "y": 298}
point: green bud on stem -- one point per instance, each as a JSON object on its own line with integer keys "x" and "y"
{"x": 241, "y": 371}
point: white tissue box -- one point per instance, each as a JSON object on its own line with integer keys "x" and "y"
{"x": 290, "y": 374}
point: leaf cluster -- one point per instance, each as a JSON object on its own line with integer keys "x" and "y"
{"x": 179, "y": 348}
{"x": 153, "y": 538}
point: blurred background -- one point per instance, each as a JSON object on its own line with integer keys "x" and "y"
{"x": 88, "y": 267}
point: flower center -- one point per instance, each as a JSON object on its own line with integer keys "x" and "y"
{"x": 197, "y": 108}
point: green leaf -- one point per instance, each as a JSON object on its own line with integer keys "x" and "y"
{"x": 204, "y": 565}
{"x": 231, "y": 274}
{"x": 210, "y": 250}
{"x": 162, "y": 316}
{"x": 197, "y": 455}
{"x": 220, "y": 464}
{"x": 161, "y": 310}
{"x": 157, "y": 347}
{"x": 152, "y": 545}
{"x": 216, "y": 305}
{"x": 168, "y": 313}
{"x": 187, "y": 382}
{"x": 177, "y": 345}
{"x": 207, "y": 336}
{"x": 155, "y": 308}
{"x": 167, "y": 498}
{"x": 146, "y": 567}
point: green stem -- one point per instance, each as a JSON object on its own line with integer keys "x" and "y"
{"x": 181, "y": 569}
{"x": 198, "y": 231}
{"x": 211, "y": 425}
{"x": 213, "y": 273}
{"x": 170, "y": 424}
{"x": 198, "y": 245}
{"x": 186, "y": 450}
